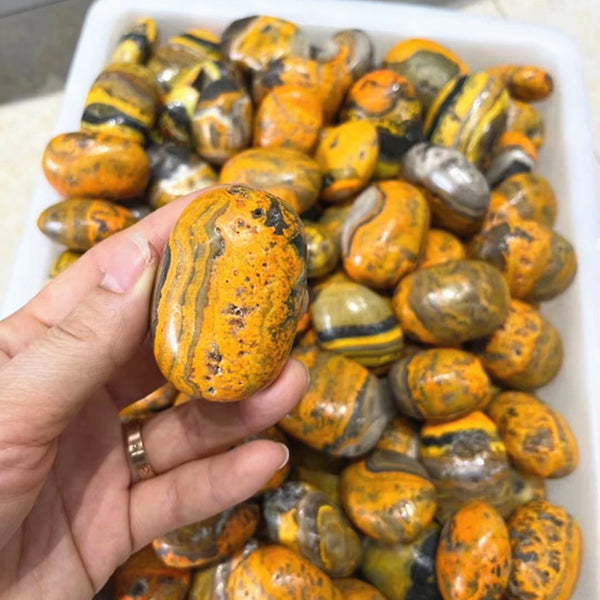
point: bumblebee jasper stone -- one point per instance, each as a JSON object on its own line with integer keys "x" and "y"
{"x": 439, "y": 247}
{"x": 428, "y": 65}
{"x": 229, "y": 293}
{"x": 222, "y": 121}
{"x": 156, "y": 401}
{"x": 466, "y": 460}
{"x": 334, "y": 217}
{"x": 345, "y": 409}
{"x": 179, "y": 104}
{"x": 388, "y": 496}
{"x": 207, "y": 541}
{"x": 305, "y": 520}
{"x": 442, "y": 383}
{"x": 404, "y": 571}
{"x": 289, "y": 116}
{"x": 546, "y": 549}
{"x": 537, "y": 438}
{"x": 122, "y": 102}
{"x": 523, "y": 489}
{"x": 524, "y": 82}
{"x": 176, "y": 172}
{"x": 79, "y": 223}
{"x": 537, "y": 263}
{"x": 274, "y": 572}
{"x": 469, "y": 114}
{"x": 525, "y": 352}
{"x": 384, "y": 232}
{"x": 400, "y": 436}
{"x": 473, "y": 555}
{"x": 255, "y": 41}
{"x": 514, "y": 154}
{"x": 389, "y": 101}
{"x": 346, "y": 56}
{"x": 458, "y": 193}
{"x": 95, "y": 165}
{"x": 451, "y": 302}
{"x": 525, "y": 195}
{"x": 209, "y": 583}
{"x": 182, "y": 53}
{"x": 144, "y": 577}
{"x": 355, "y": 589}
{"x": 318, "y": 469}
{"x": 64, "y": 260}
{"x": 137, "y": 44}
{"x": 323, "y": 249}
{"x": 527, "y": 120}
{"x": 315, "y": 76}
{"x": 355, "y": 321}
{"x": 289, "y": 174}
{"x": 346, "y": 155}
{"x": 350, "y": 51}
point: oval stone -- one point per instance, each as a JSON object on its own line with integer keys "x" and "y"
{"x": 322, "y": 247}
{"x": 345, "y": 408}
{"x": 473, "y": 556}
{"x": 525, "y": 353}
{"x": 427, "y": 64}
{"x": 289, "y": 174}
{"x": 547, "y": 549}
{"x": 452, "y": 302}
{"x": 355, "y": 589}
{"x": 384, "y": 232}
{"x": 276, "y": 572}
{"x": 469, "y": 114}
{"x": 466, "y": 459}
{"x": 176, "y": 172}
{"x": 95, "y": 165}
{"x": 538, "y": 263}
{"x": 439, "y": 384}
{"x": 458, "y": 192}
{"x": 347, "y": 155}
{"x": 229, "y": 293}
{"x": 80, "y": 223}
{"x": 143, "y": 576}
{"x": 289, "y": 116}
{"x": 439, "y": 247}
{"x": 304, "y": 519}
{"x": 388, "y": 496}
{"x": 207, "y": 541}
{"x": 404, "y": 571}
{"x": 526, "y": 195}
{"x": 537, "y": 438}
{"x": 355, "y": 321}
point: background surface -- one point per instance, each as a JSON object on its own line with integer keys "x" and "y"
{"x": 37, "y": 39}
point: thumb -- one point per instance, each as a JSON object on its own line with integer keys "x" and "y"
{"x": 49, "y": 381}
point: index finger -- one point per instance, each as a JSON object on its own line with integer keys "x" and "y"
{"x": 61, "y": 295}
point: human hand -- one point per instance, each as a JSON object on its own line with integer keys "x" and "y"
{"x": 69, "y": 361}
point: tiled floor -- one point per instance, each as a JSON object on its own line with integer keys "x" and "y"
{"x": 26, "y": 69}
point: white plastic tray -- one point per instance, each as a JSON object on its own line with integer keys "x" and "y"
{"x": 566, "y": 160}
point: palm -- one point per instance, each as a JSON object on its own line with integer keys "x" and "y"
{"x": 80, "y": 520}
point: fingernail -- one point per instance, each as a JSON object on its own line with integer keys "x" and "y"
{"x": 307, "y": 384}
{"x": 286, "y": 455}
{"x": 307, "y": 371}
{"x": 127, "y": 265}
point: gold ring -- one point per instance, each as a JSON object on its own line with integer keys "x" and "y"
{"x": 136, "y": 455}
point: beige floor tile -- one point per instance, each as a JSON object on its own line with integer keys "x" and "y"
{"x": 25, "y": 128}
